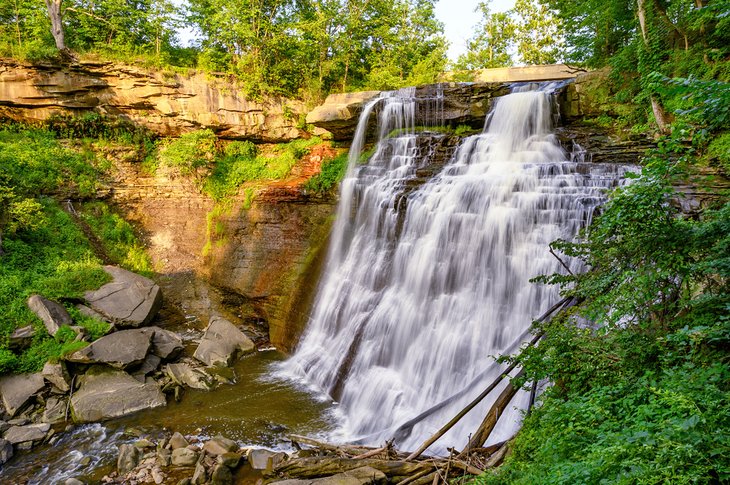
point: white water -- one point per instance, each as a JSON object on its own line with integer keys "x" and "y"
{"x": 410, "y": 312}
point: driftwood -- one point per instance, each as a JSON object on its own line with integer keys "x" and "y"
{"x": 327, "y": 466}
{"x": 492, "y": 416}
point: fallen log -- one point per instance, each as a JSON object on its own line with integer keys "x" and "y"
{"x": 351, "y": 449}
{"x": 326, "y": 466}
{"x": 490, "y": 419}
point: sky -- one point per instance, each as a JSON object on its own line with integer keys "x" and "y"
{"x": 459, "y": 19}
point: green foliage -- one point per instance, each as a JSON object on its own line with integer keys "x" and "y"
{"x": 241, "y": 162}
{"x": 33, "y": 162}
{"x": 189, "y": 153}
{"x": 718, "y": 151}
{"x": 332, "y": 172}
{"x": 117, "y": 236}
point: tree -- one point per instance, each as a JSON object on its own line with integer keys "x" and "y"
{"x": 538, "y": 33}
{"x": 491, "y": 43}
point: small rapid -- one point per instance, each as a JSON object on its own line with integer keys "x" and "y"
{"x": 419, "y": 295}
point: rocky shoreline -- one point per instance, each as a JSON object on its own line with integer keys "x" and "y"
{"x": 136, "y": 366}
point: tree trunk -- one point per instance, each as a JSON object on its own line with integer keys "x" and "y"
{"x": 659, "y": 114}
{"x": 54, "y": 12}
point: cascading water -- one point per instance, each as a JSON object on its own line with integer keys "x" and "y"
{"x": 418, "y": 297}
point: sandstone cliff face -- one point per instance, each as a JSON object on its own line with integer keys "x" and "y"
{"x": 249, "y": 263}
{"x": 166, "y": 104}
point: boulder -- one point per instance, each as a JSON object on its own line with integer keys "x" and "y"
{"x": 57, "y": 375}
{"x": 130, "y": 300}
{"x": 17, "y": 390}
{"x": 121, "y": 349}
{"x": 184, "y": 457}
{"x": 265, "y": 459}
{"x": 55, "y": 411}
{"x": 222, "y": 343}
{"x": 73, "y": 481}
{"x": 166, "y": 345}
{"x": 54, "y": 316}
{"x": 193, "y": 377}
{"x": 128, "y": 458}
{"x": 149, "y": 365}
{"x": 31, "y": 432}
{"x": 221, "y": 475}
{"x": 359, "y": 476}
{"x": 219, "y": 445}
{"x": 177, "y": 440}
{"x": 21, "y": 338}
{"x": 230, "y": 459}
{"x": 6, "y": 451}
{"x": 88, "y": 312}
{"x": 105, "y": 394}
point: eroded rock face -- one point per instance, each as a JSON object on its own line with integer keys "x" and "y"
{"x": 106, "y": 394}
{"x": 129, "y": 300}
{"x": 168, "y": 105}
{"x": 446, "y": 104}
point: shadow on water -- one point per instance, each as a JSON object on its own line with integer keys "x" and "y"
{"x": 257, "y": 411}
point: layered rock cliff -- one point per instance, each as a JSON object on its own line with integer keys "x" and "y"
{"x": 169, "y": 104}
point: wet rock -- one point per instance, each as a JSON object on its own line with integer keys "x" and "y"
{"x": 6, "y": 450}
{"x": 231, "y": 460}
{"x": 221, "y": 475}
{"x": 19, "y": 421}
{"x": 105, "y": 394}
{"x": 121, "y": 349}
{"x": 4, "y": 426}
{"x": 265, "y": 459}
{"x": 130, "y": 300}
{"x": 178, "y": 441}
{"x": 53, "y": 315}
{"x": 164, "y": 457}
{"x": 17, "y": 390}
{"x": 166, "y": 345}
{"x": 222, "y": 343}
{"x": 55, "y": 411}
{"x": 21, "y": 338}
{"x": 185, "y": 481}
{"x": 144, "y": 443}
{"x": 157, "y": 475}
{"x": 359, "y": 476}
{"x": 184, "y": 457}
{"x": 219, "y": 445}
{"x": 31, "y": 432}
{"x": 57, "y": 375}
{"x": 128, "y": 459}
{"x": 186, "y": 375}
{"x": 73, "y": 481}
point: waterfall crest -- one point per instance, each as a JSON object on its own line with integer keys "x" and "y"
{"x": 426, "y": 282}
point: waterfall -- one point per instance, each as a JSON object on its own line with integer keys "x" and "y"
{"x": 426, "y": 281}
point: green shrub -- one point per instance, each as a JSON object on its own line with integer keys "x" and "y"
{"x": 718, "y": 151}
{"x": 190, "y": 152}
{"x": 332, "y": 172}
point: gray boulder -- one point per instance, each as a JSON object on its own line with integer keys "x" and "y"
{"x": 6, "y": 451}
{"x": 193, "y": 377}
{"x": 130, "y": 300}
{"x": 340, "y": 112}
{"x": 221, "y": 475}
{"x": 55, "y": 411}
{"x": 54, "y": 316}
{"x": 166, "y": 345}
{"x": 177, "y": 440}
{"x": 149, "y": 365}
{"x": 265, "y": 459}
{"x": 31, "y": 432}
{"x": 128, "y": 458}
{"x": 21, "y": 338}
{"x": 106, "y": 393}
{"x": 184, "y": 457}
{"x": 222, "y": 343}
{"x": 57, "y": 375}
{"x": 219, "y": 445}
{"x": 121, "y": 349}
{"x": 17, "y": 390}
